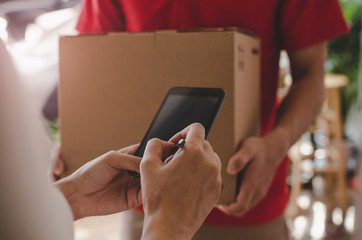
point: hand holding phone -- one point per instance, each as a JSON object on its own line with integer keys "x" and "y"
{"x": 181, "y": 107}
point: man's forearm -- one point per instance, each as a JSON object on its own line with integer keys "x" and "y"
{"x": 299, "y": 109}
{"x": 305, "y": 98}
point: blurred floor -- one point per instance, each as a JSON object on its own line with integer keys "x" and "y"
{"x": 317, "y": 217}
{"x": 98, "y": 228}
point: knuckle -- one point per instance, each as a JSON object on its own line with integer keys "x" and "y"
{"x": 217, "y": 160}
{"x": 197, "y": 125}
{"x": 111, "y": 154}
{"x": 196, "y": 150}
{"x": 207, "y": 143}
{"x": 154, "y": 141}
{"x": 145, "y": 163}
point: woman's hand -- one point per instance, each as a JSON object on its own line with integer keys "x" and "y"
{"x": 103, "y": 186}
{"x": 179, "y": 194}
{"x": 57, "y": 166}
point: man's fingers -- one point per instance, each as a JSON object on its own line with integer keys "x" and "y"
{"x": 194, "y": 132}
{"x": 242, "y": 204}
{"x": 238, "y": 208}
{"x": 239, "y": 160}
{"x": 234, "y": 209}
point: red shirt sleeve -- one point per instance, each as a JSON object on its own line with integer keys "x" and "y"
{"x": 308, "y": 22}
{"x": 100, "y": 16}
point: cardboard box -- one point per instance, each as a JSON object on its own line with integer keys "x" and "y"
{"x": 112, "y": 85}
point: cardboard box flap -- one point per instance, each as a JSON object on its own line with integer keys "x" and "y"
{"x": 196, "y": 30}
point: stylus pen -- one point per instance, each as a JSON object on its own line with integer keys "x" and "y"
{"x": 179, "y": 145}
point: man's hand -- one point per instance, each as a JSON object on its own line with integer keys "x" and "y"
{"x": 103, "y": 186}
{"x": 261, "y": 158}
{"x": 179, "y": 194}
{"x": 296, "y": 112}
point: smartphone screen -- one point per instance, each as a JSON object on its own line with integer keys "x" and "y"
{"x": 181, "y": 107}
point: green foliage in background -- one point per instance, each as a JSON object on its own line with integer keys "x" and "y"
{"x": 344, "y": 54}
{"x": 53, "y": 126}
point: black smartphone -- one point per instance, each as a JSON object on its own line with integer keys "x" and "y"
{"x": 181, "y": 107}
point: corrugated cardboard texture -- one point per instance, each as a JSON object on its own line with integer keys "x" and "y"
{"x": 112, "y": 85}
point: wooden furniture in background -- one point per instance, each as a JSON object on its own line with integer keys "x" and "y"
{"x": 329, "y": 121}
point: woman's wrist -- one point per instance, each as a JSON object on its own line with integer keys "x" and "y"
{"x": 69, "y": 191}
{"x": 159, "y": 227}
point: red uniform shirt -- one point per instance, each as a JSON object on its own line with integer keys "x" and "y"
{"x": 302, "y": 24}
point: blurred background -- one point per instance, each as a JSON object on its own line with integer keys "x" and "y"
{"x": 325, "y": 178}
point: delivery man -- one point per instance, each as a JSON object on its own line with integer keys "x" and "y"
{"x": 302, "y": 28}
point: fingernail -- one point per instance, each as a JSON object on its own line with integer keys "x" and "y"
{"x": 231, "y": 170}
